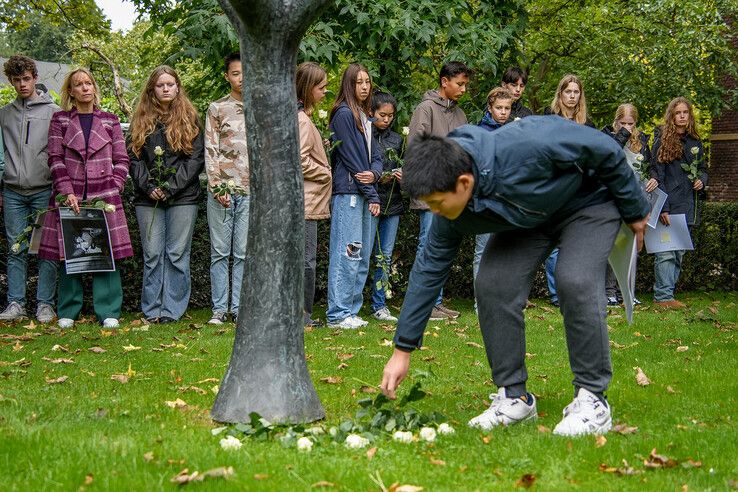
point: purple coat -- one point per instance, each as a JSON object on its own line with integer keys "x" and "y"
{"x": 102, "y": 165}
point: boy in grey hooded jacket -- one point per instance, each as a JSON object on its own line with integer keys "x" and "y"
{"x": 26, "y": 183}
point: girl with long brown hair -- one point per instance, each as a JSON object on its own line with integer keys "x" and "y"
{"x": 166, "y": 151}
{"x": 678, "y": 144}
{"x": 569, "y": 101}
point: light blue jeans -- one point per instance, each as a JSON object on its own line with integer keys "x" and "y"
{"x": 550, "y": 277}
{"x": 480, "y": 242}
{"x": 385, "y": 243}
{"x": 16, "y": 209}
{"x": 229, "y": 230}
{"x": 666, "y": 269}
{"x": 426, "y": 218}
{"x": 166, "y": 274}
{"x": 352, "y": 235}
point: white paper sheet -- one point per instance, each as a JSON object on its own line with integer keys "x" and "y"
{"x": 656, "y": 198}
{"x": 674, "y": 237}
{"x": 623, "y": 259}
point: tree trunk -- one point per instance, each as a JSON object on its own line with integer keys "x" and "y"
{"x": 267, "y": 373}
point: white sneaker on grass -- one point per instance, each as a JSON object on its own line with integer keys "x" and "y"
{"x": 65, "y": 323}
{"x": 350, "y": 323}
{"x": 383, "y": 314}
{"x": 13, "y": 312}
{"x": 359, "y": 321}
{"x": 45, "y": 313}
{"x": 505, "y": 411}
{"x": 586, "y": 414}
{"x": 110, "y": 323}
{"x": 218, "y": 318}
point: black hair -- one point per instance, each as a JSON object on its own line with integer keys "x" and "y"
{"x": 452, "y": 69}
{"x": 512, "y": 75}
{"x": 433, "y": 164}
{"x": 379, "y": 98}
{"x": 235, "y": 56}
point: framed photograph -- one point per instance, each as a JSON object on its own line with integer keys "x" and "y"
{"x": 86, "y": 239}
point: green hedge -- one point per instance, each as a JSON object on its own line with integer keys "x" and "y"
{"x": 713, "y": 266}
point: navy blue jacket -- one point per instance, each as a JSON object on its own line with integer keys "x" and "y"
{"x": 390, "y": 193}
{"x": 351, "y": 156}
{"x": 530, "y": 173}
{"x": 488, "y": 122}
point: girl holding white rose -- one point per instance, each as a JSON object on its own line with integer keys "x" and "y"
{"x": 679, "y": 168}
{"x": 166, "y": 152}
{"x": 311, "y": 81}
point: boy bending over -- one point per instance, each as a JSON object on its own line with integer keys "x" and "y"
{"x": 538, "y": 183}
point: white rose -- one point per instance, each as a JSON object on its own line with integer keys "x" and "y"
{"x": 109, "y": 207}
{"x": 231, "y": 183}
{"x": 355, "y": 441}
{"x": 158, "y": 151}
{"x": 231, "y": 443}
{"x": 445, "y": 429}
{"x": 322, "y": 114}
{"x": 16, "y": 248}
{"x": 304, "y": 444}
{"x": 388, "y": 294}
{"x": 405, "y": 437}
{"x": 428, "y": 434}
{"x": 315, "y": 431}
{"x": 406, "y": 130}
{"x": 639, "y": 157}
{"x": 695, "y": 150}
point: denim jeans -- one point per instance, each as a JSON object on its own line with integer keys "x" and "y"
{"x": 166, "y": 274}
{"x": 550, "y": 277}
{"x": 480, "y": 242}
{"x": 311, "y": 252}
{"x": 16, "y": 209}
{"x": 387, "y": 233}
{"x": 426, "y": 217}
{"x": 666, "y": 268}
{"x": 229, "y": 230}
{"x": 352, "y": 234}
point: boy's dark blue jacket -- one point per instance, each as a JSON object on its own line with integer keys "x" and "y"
{"x": 488, "y": 122}
{"x": 532, "y": 172}
{"x": 351, "y": 156}
{"x": 390, "y": 193}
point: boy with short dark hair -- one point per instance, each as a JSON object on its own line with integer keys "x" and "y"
{"x": 536, "y": 184}
{"x": 27, "y": 183}
{"x": 514, "y": 80}
{"x": 436, "y": 116}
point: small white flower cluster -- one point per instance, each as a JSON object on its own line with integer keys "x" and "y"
{"x": 158, "y": 151}
{"x": 109, "y": 208}
{"x": 427, "y": 434}
{"x": 231, "y": 443}
{"x": 406, "y": 130}
{"x": 404, "y": 437}
{"x": 305, "y": 444}
{"x": 445, "y": 429}
{"x": 322, "y": 114}
{"x": 355, "y": 441}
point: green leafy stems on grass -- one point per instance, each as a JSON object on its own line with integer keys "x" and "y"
{"x": 159, "y": 178}
{"x": 24, "y": 238}
{"x": 693, "y": 173}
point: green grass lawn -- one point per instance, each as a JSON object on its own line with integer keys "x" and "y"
{"x": 92, "y": 432}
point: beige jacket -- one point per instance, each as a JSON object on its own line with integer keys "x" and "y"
{"x": 226, "y": 152}
{"x": 435, "y": 116}
{"x": 316, "y": 170}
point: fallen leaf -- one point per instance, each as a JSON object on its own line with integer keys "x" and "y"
{"x": 641, "y": 377}
{"x": 97, "y": 350}
{"x": 88, "y": 477}
{"x": 17, "y": 347}
{"x": 261, "y": 476}
{"x": 437, "y": 462}
{"x": 60, "y": 360}
{"x": 196, "y": 389}
{"x": 543, "y": 429}
{"x": 682, "y": 348}
{"x": 369, "y": 389}
{"x": 669, "y": 389}
{"x": 474, "y": 344}
{"x": 624, "y": 429}
{"x": 57, "y": 348}
{"x": 528, "y": 355}
{"x": 178, "y": 403}
{"x": 600, "y": 441}
{"x": 486, "y": 439}
{"x": 121, "y": 378}
{"x": 208, "y": 380}
{"x": 658, "y": 461}
{"x": 130, "y": 348}
{"x": 58, "y": 380}
{"x": 404, "y": 488}
{"x": 342, "y": 365}
{"x": 332, "y": 379}
{"x": 691, "y": 464}
{"x": 526, "y": 481}
{"x": 385, "y": 342}
{"x": 20, "y": 363}
{"x": 623, "y": 470}
{"x": 344, "y": 357}
{"x": 323, "y": 484}
{"x": 371, "y": 452}
{"x": 185, "y": 477}
{"x": 107, "y": 333}
{"x": 733, "y": 483}
{"x": 30, "y": 326}
{"x": 149, "y": 456}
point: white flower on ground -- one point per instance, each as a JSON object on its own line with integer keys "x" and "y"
{"x": 304, "y": 444}
{"x": 16, "y": 248}
{"x": 158, "y": 151}
{"x": 695, "y": 150}
{"x": 322, "y": 114}
{"x": 315, "y": 431}
{"x": 231, "y": 443}
{"x": 401, "y": 436}
{"x": 639, "y": 157}
{"x": 355, "y": 441}
{"x": 428, "y": 434}
{"x": 109, "y": 207}
{"x": 445, "y": 429}
{"x": 406, "y": 130}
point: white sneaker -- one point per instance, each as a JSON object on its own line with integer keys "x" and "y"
{"x": 110, "y": 323}
{"x": 384, "y": 314}
{"x": 13, "y": 312}
{"x": 65, "y": 323}
{"x": 45, "y": 313}
{"x": 350, "y": 323}
{"x": 359, "y": 321}
{"x": 586, "y": 414}
{"x": 505, "y": 411}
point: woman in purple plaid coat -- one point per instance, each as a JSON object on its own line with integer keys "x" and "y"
{"x": 88, "y": 161}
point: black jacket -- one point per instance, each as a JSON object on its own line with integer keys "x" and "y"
{"x": 674, "y": 181}
{"x": 183, "y": 185}
{"x": 622, "y": 137}
{"x": 517, "y": 110}
{"x": 390, "y": 192}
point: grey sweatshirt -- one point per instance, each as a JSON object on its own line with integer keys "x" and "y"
{"x": 25, "y": 127}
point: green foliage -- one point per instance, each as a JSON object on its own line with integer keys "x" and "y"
{"x": 7, "y": 94}
{"x": 40, "y": 39}
{"x": 79, "y": 15}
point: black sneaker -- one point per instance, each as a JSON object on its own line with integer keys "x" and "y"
{"x": 313, "y": 323}
{"x": 612, "y": 301}
{"x": 166, "y": 319}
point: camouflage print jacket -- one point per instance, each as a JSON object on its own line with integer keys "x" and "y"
{"x": 226, "y": 154}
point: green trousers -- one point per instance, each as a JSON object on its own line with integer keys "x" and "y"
{"x": 107, "y": 295}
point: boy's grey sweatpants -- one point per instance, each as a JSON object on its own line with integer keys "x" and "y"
{"x": 506, "y": 272}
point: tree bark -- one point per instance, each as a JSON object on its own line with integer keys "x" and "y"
{"x": 267, "y": 373}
